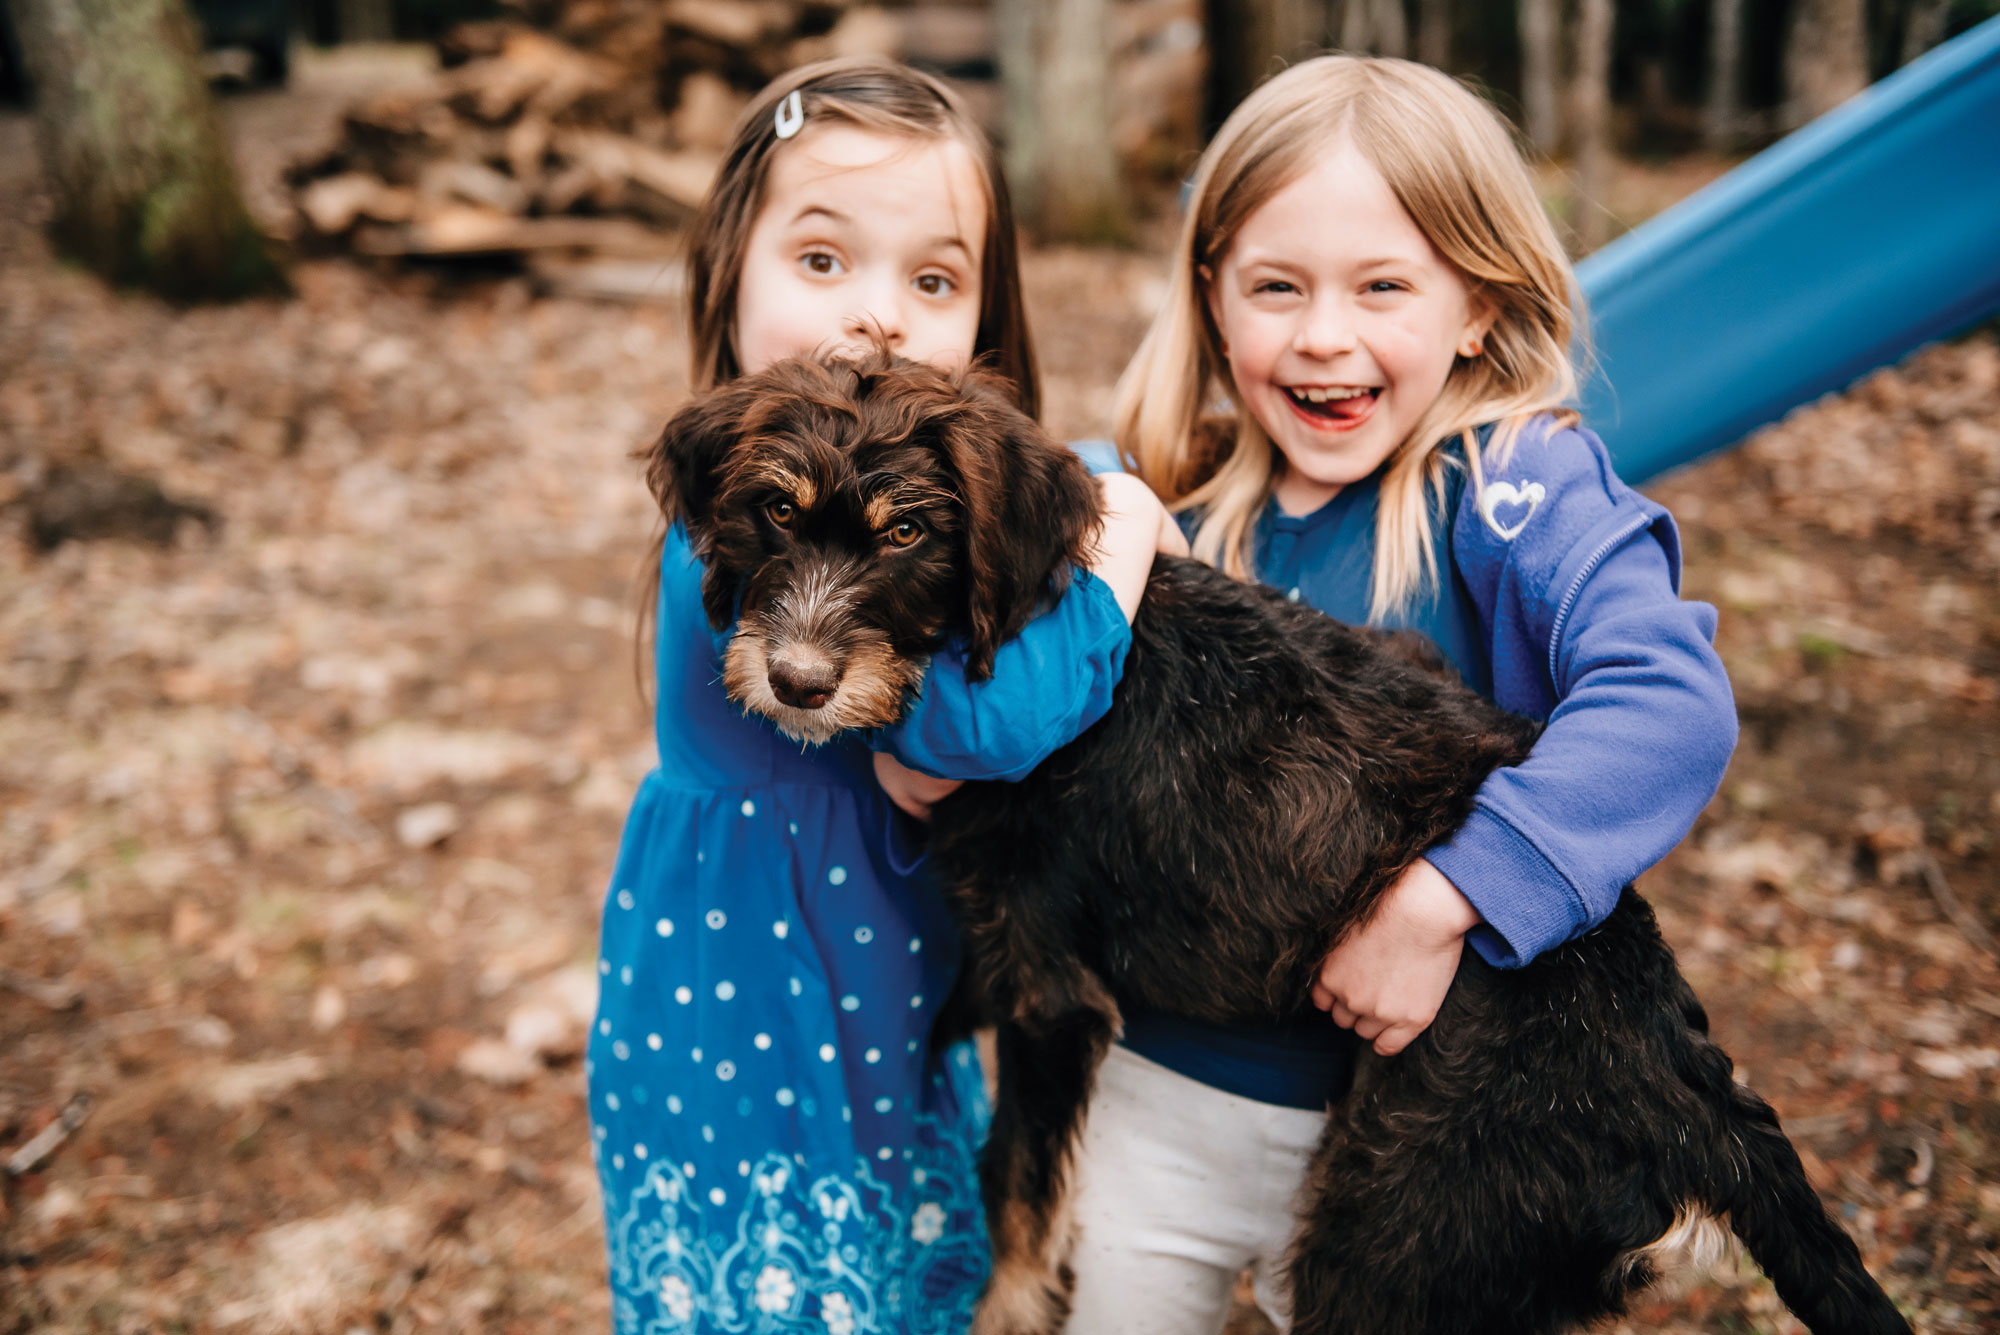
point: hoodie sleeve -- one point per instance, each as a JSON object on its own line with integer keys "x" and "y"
{"x": 1579, "y": 592}
{"x": 1049, "y": 683}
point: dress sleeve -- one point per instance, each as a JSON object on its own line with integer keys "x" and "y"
{"x": 1636, "y": 746}
{"x": 1049, "y": 683}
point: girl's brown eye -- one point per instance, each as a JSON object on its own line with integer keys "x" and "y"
{"x": 904, "y": 534}
{"x": 781, "y": 513}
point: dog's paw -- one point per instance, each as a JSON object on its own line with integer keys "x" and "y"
{"x": 1022, "y": 1298}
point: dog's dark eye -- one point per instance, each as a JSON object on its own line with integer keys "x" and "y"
{"x": 781, "y": 513}
{"x": 904, "y": 534}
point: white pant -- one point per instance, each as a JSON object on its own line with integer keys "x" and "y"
{"x": 1177, "y": 1188}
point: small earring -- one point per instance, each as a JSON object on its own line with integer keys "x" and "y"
{"x": 1473, "y": 349}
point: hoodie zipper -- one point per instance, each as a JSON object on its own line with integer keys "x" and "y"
{"x": 1569, "y": 598}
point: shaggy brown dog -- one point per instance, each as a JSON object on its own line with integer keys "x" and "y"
{"x": 1264, "y": 774}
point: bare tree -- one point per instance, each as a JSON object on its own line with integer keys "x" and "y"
{"x": 144, "y": 189}
{"x": 1056, "y": 64}
{"x": 1722, "y": 114}
{"x": 1590, "y": 115}
{"x": 1540, "y": 65}
{"x": 1250, "y": 40}
{"x": 1434, "y": 32}
{"x": 1826, "y": 57}
{"x": 1923, "y": 27}
{"x": 1375, "y": 26}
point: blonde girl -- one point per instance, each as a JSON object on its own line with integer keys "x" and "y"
{"x": 781, "y": 1147}
{"x": 1354, "y": 392}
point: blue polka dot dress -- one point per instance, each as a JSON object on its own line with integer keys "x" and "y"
{"x": 779, "y": 1146}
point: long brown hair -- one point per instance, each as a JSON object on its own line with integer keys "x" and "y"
{"x": 888, "y": 98}
{"x": 1455, "y": 169}
{"x": 875, "y": 94}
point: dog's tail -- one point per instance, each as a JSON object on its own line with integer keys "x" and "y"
{"x": 1809, "y": 1258}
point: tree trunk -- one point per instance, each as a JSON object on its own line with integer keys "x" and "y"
{"x": 1590, "y": 114}
{"x": 1060, "y": 148}
{"x": 1540, "y": 116}
{"x": 1375, "y": 27}
{"x": 1434, "y": 33}
{"x": 1722, "y": 115}
{"x": 1923, "y": 27}
{"x": 1250, "y": 40}
{"x": 1826, "y": 57}
{"x": 144, "y": 190}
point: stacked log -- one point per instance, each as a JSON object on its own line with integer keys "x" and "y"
{"x": 597, "y": 125}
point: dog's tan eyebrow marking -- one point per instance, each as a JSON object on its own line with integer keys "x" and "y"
{"x": 799, "y": 488}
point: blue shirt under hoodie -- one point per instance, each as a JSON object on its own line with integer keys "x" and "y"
{"x": 1558, "y": 599}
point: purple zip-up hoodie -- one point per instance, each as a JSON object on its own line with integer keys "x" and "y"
{"x": 1576, "y": 579}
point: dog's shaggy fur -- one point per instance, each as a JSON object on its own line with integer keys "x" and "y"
{"x": 1263, "y": 776}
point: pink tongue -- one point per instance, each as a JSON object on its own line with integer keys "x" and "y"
{"x": 1350, "y": 407}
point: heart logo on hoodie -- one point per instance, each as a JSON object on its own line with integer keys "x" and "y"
{"x": 1517, "y": 501}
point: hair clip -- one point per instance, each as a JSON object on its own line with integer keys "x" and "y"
{"x": 791, "y": 115}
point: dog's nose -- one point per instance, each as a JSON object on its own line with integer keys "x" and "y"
{"x": 803, "y": 685}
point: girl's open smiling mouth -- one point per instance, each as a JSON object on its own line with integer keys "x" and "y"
{"x": 1335, "y": 408}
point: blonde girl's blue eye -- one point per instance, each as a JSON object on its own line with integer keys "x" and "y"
{"x": 1384, "y": 285}
{"x": 1277, "y": 285}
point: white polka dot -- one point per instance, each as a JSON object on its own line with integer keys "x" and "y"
{"x": 673, "y": 1103}
{"x": 915, "y": 1002}
{"x": 653, "y": 1042}
{"x": 715, "y": 919}
{"x": 742, "y": 1168}
{"x": 688, "y": 1168}
{"x": 624, "y": 899}
{"x": 785, "y": 1097}
{"x": 749, "y": 807}
{"x": 864, "y": 935}
{"x": 639, "y": 1150}
{"x": 847, "y": 1114}
{"x": 917, "y": 1175}
{"x": 708, "y": 1134}
{"x": 916, "y": 944}
{"x": 604, "y": 1026}
{"x": 717, "y": 1195}
{"x": 913, "y": 1045}
{"x": 724, "y": 990}
{"x": 872, "y": 1056}
{"x": 604, "y": 967}
{"x": 617, "y": 1161}
{"x": 611, "y": 1102}
{"x": 795, "y": 827}
{"x": 683, "y": 995}
{"x": 837, "y": 876}
{"x": 725, "y": 1070}
{"x": 826, "y": 1052}
{"x": 883, "y": 1105}
{"x": 850, "y": 1003}
{"x": 599, "y": 1131}
{"x": 885, "y": 1153}
{"x": 796, "y": 988}
{"x": 697, "y": 1054}
{"x": 665, "y": 927}
{"x": 625, "y": 975}
{"x": 780, "y": 928}
{"x": 620, "y": 1051}
{"x": 700, "y": 856}
{"x": 763, "y": 1042}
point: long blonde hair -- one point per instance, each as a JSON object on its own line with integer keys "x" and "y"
{"x": 1452, "y": 163}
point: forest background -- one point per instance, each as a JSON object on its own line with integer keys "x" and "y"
{"x": 317, "y": 698}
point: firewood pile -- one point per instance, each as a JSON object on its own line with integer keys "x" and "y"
{"x": 596, "y": 126}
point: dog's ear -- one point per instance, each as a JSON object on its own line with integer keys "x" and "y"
{"x": 683, "y": 467}
{"x": 1031, "y": 514}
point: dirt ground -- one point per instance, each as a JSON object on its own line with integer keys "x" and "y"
{"x": 305, "y": 814}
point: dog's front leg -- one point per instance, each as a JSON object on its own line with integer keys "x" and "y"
{"x": 1048, "y": 1066}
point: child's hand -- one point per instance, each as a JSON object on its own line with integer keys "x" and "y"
{"x": 1386, "y": 981}
{"x": 913, "y": 791}
{"x": 1136, "y": 528}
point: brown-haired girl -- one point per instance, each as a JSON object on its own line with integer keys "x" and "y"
{"x": 1366, "y": 276}
{"x": 780, "y": 1147}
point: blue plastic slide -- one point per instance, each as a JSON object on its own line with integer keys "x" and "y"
{"x": 1869, "y": 232}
